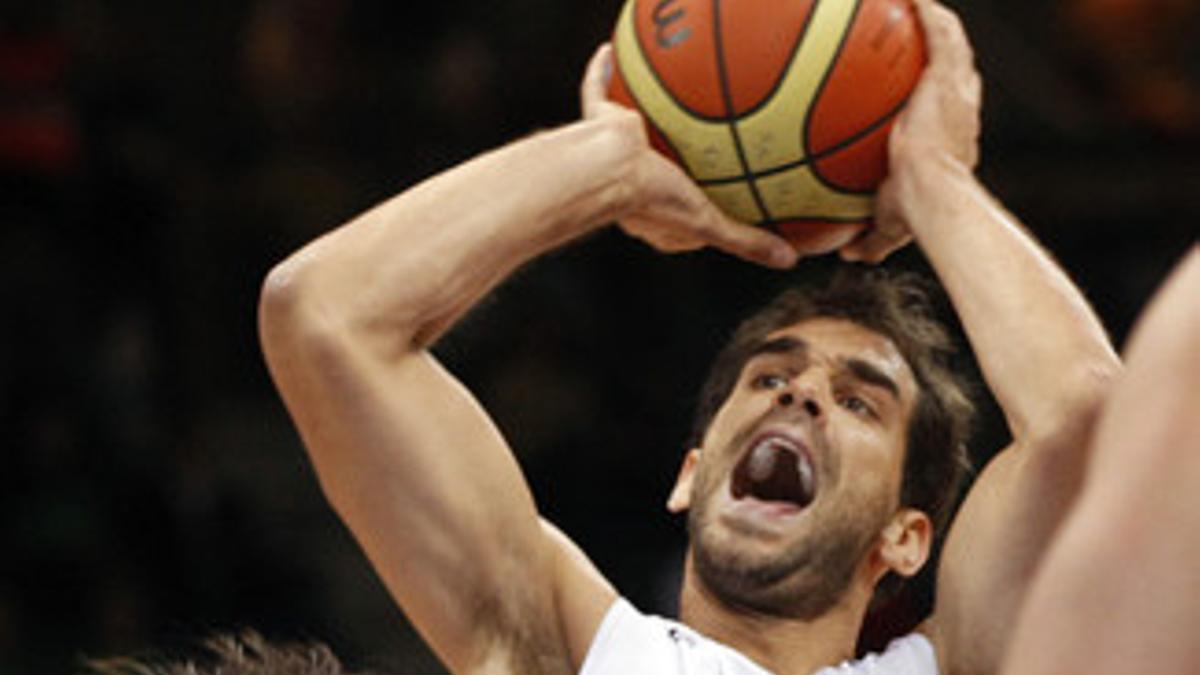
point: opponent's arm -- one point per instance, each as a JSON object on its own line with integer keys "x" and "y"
{"x": 404, "y": 453}
{"x": 1117, "y": 592}
{"x": 1041, "y": 349}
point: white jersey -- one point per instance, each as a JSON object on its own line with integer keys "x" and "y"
{"x": 631, "y": 643}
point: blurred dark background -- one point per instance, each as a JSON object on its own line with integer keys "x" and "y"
{"x": 157, "y": 158}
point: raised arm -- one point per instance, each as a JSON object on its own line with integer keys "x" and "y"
{"x": 403, "y": 452}
{"x": 1043, "y": 353}
{"x": 1119, "y": 591}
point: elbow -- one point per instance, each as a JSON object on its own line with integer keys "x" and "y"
{"x": 278, "y": 292}
{"x": 1068, "y": 420}
{"x": 309, "y": 311}
{"x": 280, "y": 303}
{"x": 1057, "y": 446}
{"x": 294, "y": 320}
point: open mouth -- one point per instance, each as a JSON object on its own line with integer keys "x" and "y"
{"x": 775, "y": 469}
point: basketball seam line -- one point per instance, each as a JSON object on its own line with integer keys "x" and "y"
{"x": 833, "y": 149}
{"x": 637, "y": 42}
{"x": 730, "y": 115}
{"x": 683, "y": 107}
{"x": 791, "y": 59}
{"x": 812, "y": 104}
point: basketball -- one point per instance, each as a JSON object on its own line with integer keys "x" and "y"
{"x": 779, "y": 109}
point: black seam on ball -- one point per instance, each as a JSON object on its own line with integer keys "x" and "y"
{"x": 731, "y": 116}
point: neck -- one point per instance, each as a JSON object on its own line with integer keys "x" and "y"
{"x": 782, "y": 645}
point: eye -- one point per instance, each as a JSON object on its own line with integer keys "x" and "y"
{"x": 856, "y": 405}
{"x": 768, "y": 381}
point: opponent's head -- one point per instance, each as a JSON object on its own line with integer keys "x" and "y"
{"x": 244, "y": 654}
{"x": 828, "y": 446}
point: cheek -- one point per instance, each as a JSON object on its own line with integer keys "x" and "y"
{"x": 886, "y": 436}
{"x": 724, "y": 424}
{"x": 708, "y": 478}
{"x": 871, "y": 454}
{"x": 741, "y": 408}
{"x": 702, "y": 491}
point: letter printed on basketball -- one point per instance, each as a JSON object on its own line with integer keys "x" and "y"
{"x": 664, "y": 16}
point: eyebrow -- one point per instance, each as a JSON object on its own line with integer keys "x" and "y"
{"x": 780, "y": 345}
{"x": 869, "y": 373}
{"x": 860, "y": 369}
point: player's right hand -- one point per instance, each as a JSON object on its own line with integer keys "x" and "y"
{"x": 940, "y": 124}
{"x": 662, "y": 205}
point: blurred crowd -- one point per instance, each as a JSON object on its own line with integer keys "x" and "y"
{"x": 156, "y": 159}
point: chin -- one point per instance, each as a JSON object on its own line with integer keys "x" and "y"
{"x": 796, "y": 572}
{"x": 767, "y": 586}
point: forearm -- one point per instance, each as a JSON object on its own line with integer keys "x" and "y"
{"x": 1047, "y": 362}
{"x": 1042, "y": 350}
{"x": 405, "y": 270}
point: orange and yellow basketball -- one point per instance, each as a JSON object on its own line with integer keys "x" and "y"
{"x": 778, "y": 109}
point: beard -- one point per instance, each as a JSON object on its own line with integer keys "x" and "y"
{"x": 807, "y": 579}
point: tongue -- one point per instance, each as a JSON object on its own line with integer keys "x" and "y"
{"x": 763, "y": 461}
{"x": 775, "y": 473}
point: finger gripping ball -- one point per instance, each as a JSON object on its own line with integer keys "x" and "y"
{"x": 779, "y": 109}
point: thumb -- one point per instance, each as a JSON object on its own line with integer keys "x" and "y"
{"x": 889, "y": 233}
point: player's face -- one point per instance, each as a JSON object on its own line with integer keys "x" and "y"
{"x": 801, "y": 467}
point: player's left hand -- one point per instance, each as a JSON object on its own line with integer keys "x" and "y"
{"x": 939, "y": 124}
{"x": 664, "y": 207}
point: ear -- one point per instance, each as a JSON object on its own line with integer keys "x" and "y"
{"x": 681, "y": 494}
{"x": 905, "y": 542}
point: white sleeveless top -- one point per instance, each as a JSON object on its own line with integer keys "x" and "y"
{"x": 631, "y": 643}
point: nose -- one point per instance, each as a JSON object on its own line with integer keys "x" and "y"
{"x": 804, "y": 399}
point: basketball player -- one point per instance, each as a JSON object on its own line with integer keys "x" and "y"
{"x": 1120, "y": 588}
{"x": 804, "y": 486}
